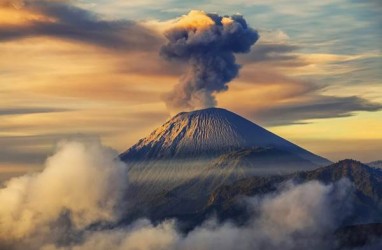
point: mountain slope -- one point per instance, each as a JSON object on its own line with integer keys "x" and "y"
{"x": 209, "y": 133}
{"x": 175, "y": 169}
{"x": 225, "y": 202}
{"x": 366, "y": 180}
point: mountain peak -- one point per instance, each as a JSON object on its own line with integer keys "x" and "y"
{"x": 348, "y": 164}
{"x": 211, "y": 111}
{"x": 209, "y": 133}
{"x": 219, "y": 115}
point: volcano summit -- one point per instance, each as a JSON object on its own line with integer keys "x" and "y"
{"x": 211, "y": 133}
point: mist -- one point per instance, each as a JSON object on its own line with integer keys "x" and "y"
{"x": 297, "y": 217}
{"x": 83, "y": 184}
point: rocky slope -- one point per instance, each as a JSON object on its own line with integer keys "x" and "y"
{"x": 209, "y": 133}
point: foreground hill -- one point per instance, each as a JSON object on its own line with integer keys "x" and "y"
{"x": 367, "y": 193}
{"x": 225, "y": 201}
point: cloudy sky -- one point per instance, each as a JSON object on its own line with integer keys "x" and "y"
{"x": 93, "y": 68}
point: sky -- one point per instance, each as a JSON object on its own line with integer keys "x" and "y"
{"x": 78, "y": 68}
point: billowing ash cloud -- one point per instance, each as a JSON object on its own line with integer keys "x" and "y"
{"x": 207, "y": 44}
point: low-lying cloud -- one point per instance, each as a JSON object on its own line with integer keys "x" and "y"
{"x": 81, "y": 184}
{"x": 299, "y": 217}
{"x": 75, "y": 202}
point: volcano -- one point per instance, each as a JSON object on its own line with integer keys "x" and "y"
{"x": 174, "y": 170}
{"x": 211, "y": 133}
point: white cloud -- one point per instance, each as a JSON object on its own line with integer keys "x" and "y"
{"x": 84, "y": 183}
{"x": 83, "y": 180}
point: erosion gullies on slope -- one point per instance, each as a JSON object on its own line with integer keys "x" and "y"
{"x": 198, "y": 177}
{"x": 209, "y": 133}
{"x": 189, "y": 150}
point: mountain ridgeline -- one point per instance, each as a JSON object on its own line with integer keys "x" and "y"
{"x": 367, "y": 195}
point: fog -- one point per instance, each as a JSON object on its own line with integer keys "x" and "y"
{"x": 82, "y": 187}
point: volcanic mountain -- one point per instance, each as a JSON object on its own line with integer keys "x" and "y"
{"x": 174, "y": 170}
{"x": 211, "y": 133}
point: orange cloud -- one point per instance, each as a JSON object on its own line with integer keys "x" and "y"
{"x": 21, "y": 17}
{"x": 112, "y": 83}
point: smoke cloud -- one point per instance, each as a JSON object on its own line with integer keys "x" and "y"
{"x": 74, "y": 202}
{"x": 207, "y": 44}
{"x": 82, "y": 184}
{"x": 299, "y": 217}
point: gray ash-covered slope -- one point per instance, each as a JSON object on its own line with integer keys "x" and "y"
{"x": 210, "y": 133}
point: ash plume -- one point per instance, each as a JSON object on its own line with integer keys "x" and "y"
{"x": 207, "y": 44}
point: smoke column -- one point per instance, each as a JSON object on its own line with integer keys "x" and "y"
{"x": 207, "y": 44}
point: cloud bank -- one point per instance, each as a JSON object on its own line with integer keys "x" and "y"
{"x": 81, "y": 184}
{"x": 76, "y": 201}
{"x": 207, "y": 44}
{"x": 299, "y": 217}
